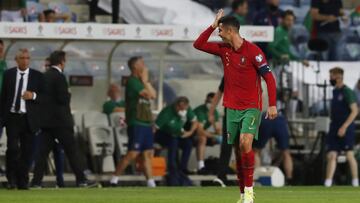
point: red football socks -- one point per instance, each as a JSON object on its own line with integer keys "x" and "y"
{"x": 240, "y": 176}
{"x": 247, "y": 165}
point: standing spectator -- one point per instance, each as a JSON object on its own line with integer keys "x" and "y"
{"x": 326, "y": 15}
{"x": 173, "y": 133}
{"x": 50, "y": 16}
{"x": 341, "y": 135}
{"x": 270, "y": 15}
{"x": 203, "y": 133}
{"x": 115, "y": 104}
{"x": 280, "y": 47}
{"x": 57, "y": 122}
{"x": 240, "y": 11}
{"x": 138, "y": 115}
{"x": 13, "y": 11}
{"x": 19, "y": 112}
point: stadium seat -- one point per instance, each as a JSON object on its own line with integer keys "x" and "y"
{"x": 117, "y": 119}
{"x": 299, "y": 37}
{"x": 349, "y": 46}
{"x": 121, "y": 140}
{"x": 3, "y": 145}
{"x": 33, "y": 10}
{"x": 78, "y": 120}
{"x": 102, "y": 146}
{"x": 95, "y": 118}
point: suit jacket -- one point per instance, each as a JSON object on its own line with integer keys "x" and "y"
{"x": 35, "y": 84}
{"x": 56, "y": 109}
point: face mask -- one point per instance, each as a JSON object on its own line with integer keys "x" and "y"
{"x": 182, "y": 113}
{"x": 208, "y": 105}
{"x": 332, "y": 82}
{"x": 273, "y": 8}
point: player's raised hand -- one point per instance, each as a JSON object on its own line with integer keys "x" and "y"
{"x": 271, "y": 113}
{"x": 219, "y": 15}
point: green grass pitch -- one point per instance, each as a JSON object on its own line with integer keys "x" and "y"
{"x": 182, "y": 195}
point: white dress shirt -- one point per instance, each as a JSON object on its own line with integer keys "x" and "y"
{"x": 57, "y": 68}
{"x": 23, "y": 89}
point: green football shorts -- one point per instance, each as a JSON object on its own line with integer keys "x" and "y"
{"x": 242, "y": 121}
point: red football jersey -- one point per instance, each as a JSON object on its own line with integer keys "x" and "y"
{"x": 241, "y": 72}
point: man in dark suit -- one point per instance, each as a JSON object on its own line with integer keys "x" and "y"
{"x": 19, "y": 113}
{"x": 57, "y": 121}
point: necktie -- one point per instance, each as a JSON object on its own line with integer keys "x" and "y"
{"x": 18, "y": 93}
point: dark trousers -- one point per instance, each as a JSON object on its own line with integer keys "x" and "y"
{"x": 19, "y": 150}
{"x": 225, "y": 153}
{"x": 59, "y": 158}
{"x": 332, "y": 39}
{"x": 66, "y": 138}
{"x": 175, "y": 167}
{"x": 173, "y": 145}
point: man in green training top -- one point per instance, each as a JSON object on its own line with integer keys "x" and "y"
{"x": 203, "y": 131}
{"x": 115, "y": 104}
{"x": 280, "y": 47}
{"x": 138, "y": 116}
{"x": 172, "y": 132}
{"x": 240, "y": 10}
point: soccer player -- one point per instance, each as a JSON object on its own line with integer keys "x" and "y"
{"x": 244, "y": 65}
{"x": 341, "y": 135}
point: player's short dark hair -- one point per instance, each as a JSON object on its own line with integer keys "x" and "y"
{"x": 57, "y": 57}
{"x": 236, "y": 3}
{"x": 230, "y": 21}
{"x": 337, "y": 70}
{"x": 47, "y": 12}
{"x": 131, "y": 62}
{"x": 288, "y": 13}
{"x": 1, "y": 42}
{"x": 210, "y": 95}
{"x": 182, "y": 99}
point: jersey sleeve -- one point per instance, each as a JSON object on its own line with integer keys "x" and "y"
{"x": 161, "y": 119}
{"x": 349, "y": 95}
{"x": 107, "y": 108}
{"x": 201, "y": 43}
{"x": 190, "y": 115}
{"x": 273, "y": 46}
{"x": 135, "y": 85}
{"x": 260, "y": 63}
{"x": 201, "y": 117}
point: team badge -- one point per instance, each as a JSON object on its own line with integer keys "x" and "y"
{"x": 259, "y": 58}
{"x": 340, "y": 97}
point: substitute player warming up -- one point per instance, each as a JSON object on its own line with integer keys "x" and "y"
{"x": 244, "y": 65}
